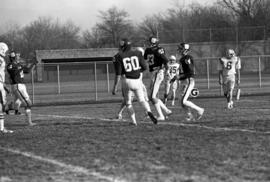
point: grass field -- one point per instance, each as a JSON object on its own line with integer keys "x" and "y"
{"x": 84, "y": 143}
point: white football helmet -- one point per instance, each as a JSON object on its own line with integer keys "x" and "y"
{"x": 172, "y": 59}
{"x": 3, "y": 49}
{"x": 230, "y": 53}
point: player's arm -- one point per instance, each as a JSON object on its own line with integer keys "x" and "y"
{"x": 118, "y": 72}
{"x": 143, "y": 63}
{"x": 163, "y": 56}
{"x": 220, "y": 73}
{"x": 29, "y": 67}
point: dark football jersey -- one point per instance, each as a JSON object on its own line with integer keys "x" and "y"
{"x": 130, "y": 64}
{"x": 188, "y": 67}
{"x": 16, "y": 72}
{"x": 156, "y": 57}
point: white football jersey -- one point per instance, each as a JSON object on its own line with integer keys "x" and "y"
{"x": 2, "y": 69}
{"x": 173, "y": 69}
{"x": 229, "y": 66}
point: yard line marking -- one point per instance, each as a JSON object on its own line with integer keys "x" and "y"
{"x": 71, "y": 168}
{"x": 216, "y": 128}
{"x": 165, "y": 123}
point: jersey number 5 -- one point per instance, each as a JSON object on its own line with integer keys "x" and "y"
{"x": 131, "y": 64}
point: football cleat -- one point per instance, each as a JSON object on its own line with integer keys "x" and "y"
{"x": 152, "y": 117}
{"x": 17, "y": 112}
{"x": 169, "y": 112}
{"x": 32, "y": 124}
{"x": 190, "y": 117}
{"x": 119, "y": 116}
{"x": 133, "y": 123}
{"x": 230, "y": 105}
{"x": 161, "y": 118}
{"x": 200, "y": 114}
{"x": 6, "y": 131}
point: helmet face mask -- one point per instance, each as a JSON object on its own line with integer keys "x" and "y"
{"x": 3, "y": 49}
{"x": 230, "y": 53}
{"x": 153, "y": 41}
{"x": 124, "y": 44}
{"x": 183, "y": 48}
{"x": 172, "y": 59}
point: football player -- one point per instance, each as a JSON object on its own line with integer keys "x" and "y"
{"x": 171, "y": 71}
{"x": 188, "y": 68}
{"x": 3, "y": 51}
{"x": 157, "y": 61}
{"x": 16, "y": 71}
{"x": 129, "y": 65}
{"x": 228, "y": 66}
{"x": 116, "y": 83}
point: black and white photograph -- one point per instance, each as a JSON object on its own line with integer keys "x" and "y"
{"x": 135, "y": 91}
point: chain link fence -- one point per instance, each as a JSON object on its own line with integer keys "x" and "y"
{"x": 86, "y": 82}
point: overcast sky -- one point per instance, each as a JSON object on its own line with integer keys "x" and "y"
{"x": 83, "y": 13}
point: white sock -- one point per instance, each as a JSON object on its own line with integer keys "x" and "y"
{"x": 28, "y": 116}
{"x": 159, "y": 111}
{"x": 1, "y": 124}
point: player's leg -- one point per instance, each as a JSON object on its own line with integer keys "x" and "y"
{"x": 189, "y": 104}
{"x": 174, "y": 88}
{"x": 25, "y": 99}
{"x": 141, "y": 98}
{"x": 160, "y": 77}
{"x": 122, "y": 107}
{"x": 231, "y": 84}
{"x": 167, "y": 90}
{"x": 154, "y": 86}
{"x": 128, "y": 97}
{"x": 2, "y": 108}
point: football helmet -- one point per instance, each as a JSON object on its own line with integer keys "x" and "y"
{"x": 141, "y": 50}
{"x": 183, "y": 48}
{"x": 3, "y": 49}
{"x": 230, "y": 53}
{"x": 153, "y": 41}
{"x": 172, "y": 59}
{"x": 124, "y": 44}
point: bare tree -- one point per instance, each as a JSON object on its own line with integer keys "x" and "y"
{"x": 114, "y": 25}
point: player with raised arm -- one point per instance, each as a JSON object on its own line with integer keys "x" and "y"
{"x": 171, "y": 71}
{"x": 16, "y": 71}
{"x": 157, "y": 61}
{"x": 228, "y": 67}
{"x": 129, "y": 65}
{"x": 188, "y": 68}
{"x": 3, "y": 51}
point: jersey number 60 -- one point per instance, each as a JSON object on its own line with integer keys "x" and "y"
{"x": 131, "y": 64}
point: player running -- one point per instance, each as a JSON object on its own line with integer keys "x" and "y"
{"x": 130, "y": 64}
{"x": 229, "y": 66}
{"x": 157, "y": 61}
{"x": 16, "y": 71}
{"x": 188, "y": 68}
{"x": 171, "y": 71}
